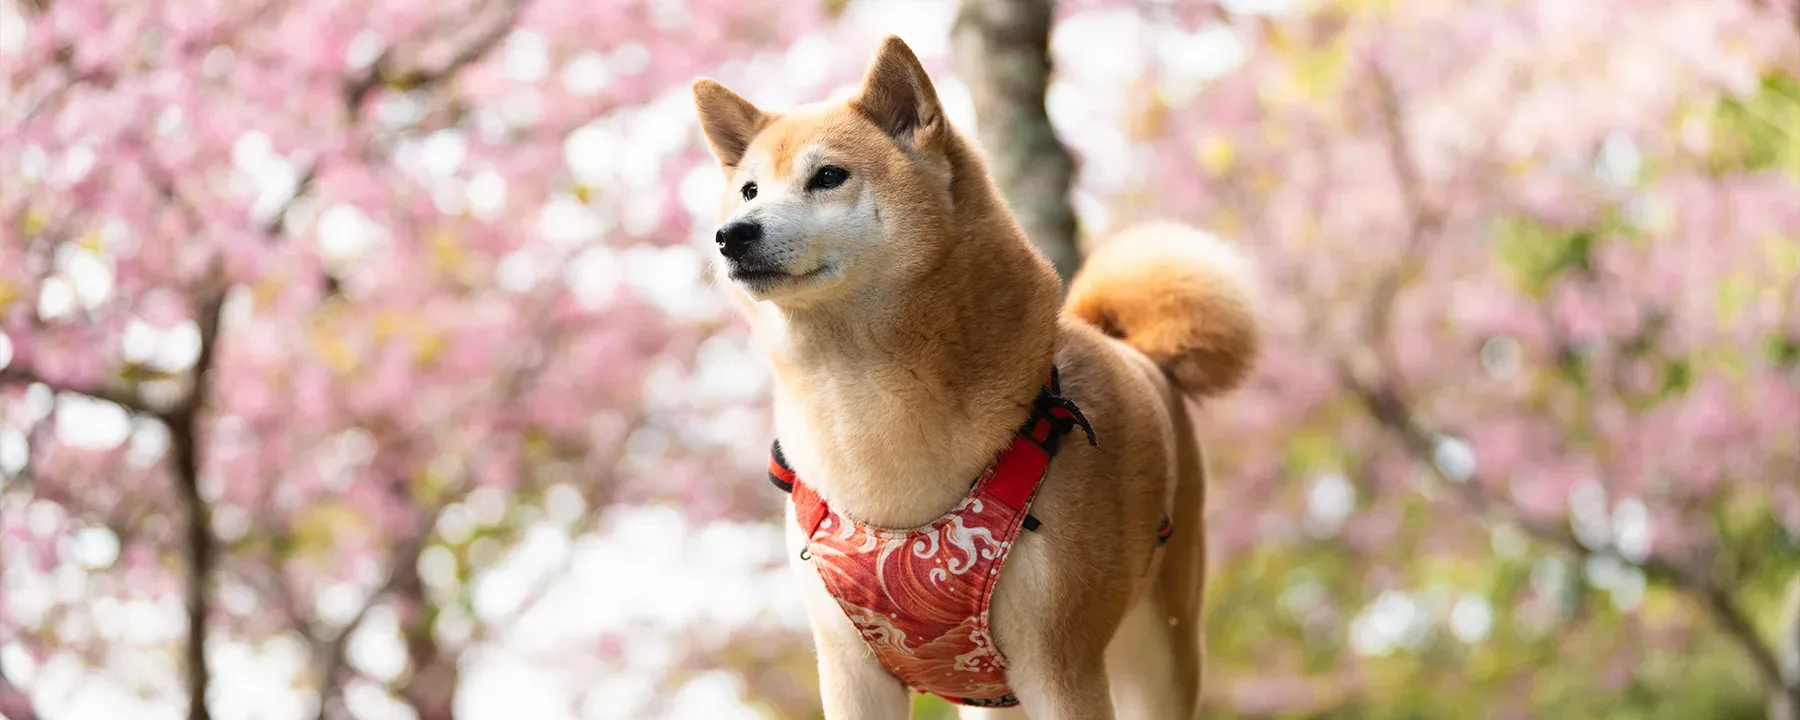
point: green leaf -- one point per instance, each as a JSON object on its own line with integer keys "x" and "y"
{"x": 1537, "y": 255}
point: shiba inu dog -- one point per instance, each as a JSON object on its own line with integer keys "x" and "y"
{"x": 926, "y": 363}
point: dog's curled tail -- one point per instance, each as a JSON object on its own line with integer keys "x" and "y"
{"x": 1180, "y": 296}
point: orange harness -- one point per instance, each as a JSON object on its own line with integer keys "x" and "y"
{"x": 920, "y": 597}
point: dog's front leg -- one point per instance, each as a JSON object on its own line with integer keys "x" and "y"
{"x": 975, "y": 713}
{"x": 852, "y": 684}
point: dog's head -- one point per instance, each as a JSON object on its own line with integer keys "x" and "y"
{"x": 831, "y": 200}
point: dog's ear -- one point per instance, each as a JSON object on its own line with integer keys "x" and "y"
{"x": 729, "y": 120}
{"x": 898, "y": 97}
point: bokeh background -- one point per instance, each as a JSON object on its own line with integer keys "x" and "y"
{"x": 360, "y": 359}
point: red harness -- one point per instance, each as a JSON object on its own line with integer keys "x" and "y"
{"x": 920, "y": 597}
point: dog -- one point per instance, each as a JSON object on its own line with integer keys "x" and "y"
{"x": 943, "y": 412}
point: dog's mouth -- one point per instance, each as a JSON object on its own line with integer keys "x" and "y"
{"x": 758, "y": 278}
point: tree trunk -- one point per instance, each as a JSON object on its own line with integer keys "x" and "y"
{"x": 1003, "y": 53}
{"x": 184, "y": 438}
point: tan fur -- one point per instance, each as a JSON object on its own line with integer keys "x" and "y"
{"x": 1178, "y": 295}
{"x": 908, "y": 340}
{"x": 730, "y": 120}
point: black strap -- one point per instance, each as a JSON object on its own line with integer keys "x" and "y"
{"x": 778, "y": 460}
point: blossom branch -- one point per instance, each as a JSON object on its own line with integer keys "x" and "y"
{"x": 1425, "y": 217}
{"x": 358, "y": 91}
{"x": 1374, "y": 384}
{"x": 15, "y": 375}
{"x": 403, "y": 580}
{"x": 1391, "y": 412}
{"x": 331, "y": 654}
{"x": 202, "y": 545}
{"x": 594, "y": 501}
{"x": 402, "y": 566}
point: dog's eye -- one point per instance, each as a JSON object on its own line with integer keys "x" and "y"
{"x": 827, "y": 178}
{"x": 749, "y": 191}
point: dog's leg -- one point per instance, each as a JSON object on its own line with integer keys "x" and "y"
{"x": 975, "y": 713}
{"x": 853, "y": 684}
{"x": 1181, "y": 581}
{"x": 1141, "y": 663}
{"x": 1062, "y": 688}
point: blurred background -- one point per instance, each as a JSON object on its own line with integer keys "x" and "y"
{"x": 360, "y": 360}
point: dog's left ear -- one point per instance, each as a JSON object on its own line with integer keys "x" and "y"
{"x": 898, "y": 97}
{"x": 729, "y": 120}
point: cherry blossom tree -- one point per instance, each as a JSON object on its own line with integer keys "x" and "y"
{"x": 1533, "y": 401}
{"x": 362, "y": 354}
{"x": 289, "y": 287}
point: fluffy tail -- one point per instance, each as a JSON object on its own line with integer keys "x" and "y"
{"x": 1182, "y": 297}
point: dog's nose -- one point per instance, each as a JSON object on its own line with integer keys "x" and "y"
{"x": 737, "y": 237}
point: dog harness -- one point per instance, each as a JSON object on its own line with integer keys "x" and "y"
{"x": 920, "y": 597}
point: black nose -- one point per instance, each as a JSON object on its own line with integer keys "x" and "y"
{"x": 737, "y": 237}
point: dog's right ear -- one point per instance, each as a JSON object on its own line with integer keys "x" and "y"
{"x": 729, "y": 120}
